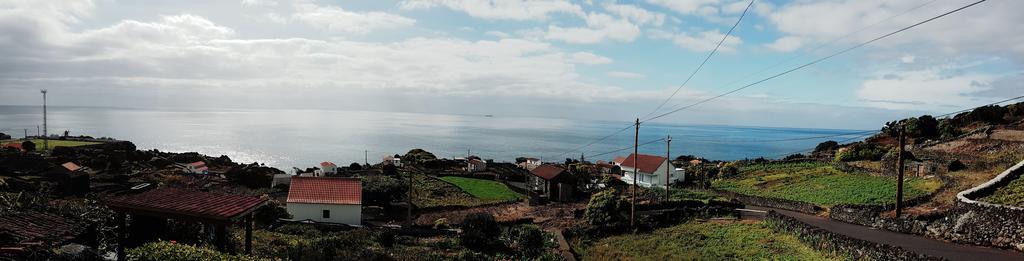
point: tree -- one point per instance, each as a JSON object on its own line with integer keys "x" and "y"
{"x": 604, "y": 209}
{"x": 479, "y": 231}
{"x": 948, "y": 130}
{"x": 525, "y": 239}
{"x": 826, "y": 146}
{"x": 389, "y": 170}
{"x": 927, "y": 127}
{"x": 355, "y": 166}
{"x": 28, "y": 146}
{"x": 4, "y": 136}
{"x": 379, "y": 190}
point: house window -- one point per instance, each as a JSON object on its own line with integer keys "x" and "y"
{"x": 327, "y": 213}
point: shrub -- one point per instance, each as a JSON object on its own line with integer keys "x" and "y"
{"x": 604, "y": 209}
{"x": 380, "y": 190}
{"x": 479, "y": 230}
{"x": 948, "y": 130}
{"x": 956, "y": 165}
{"x": 861, "y": 151}
{"x": 441, "y": 223}
{"x": 525, "y": 239}
{"x": 167, "y": 251}
{"x": 352, "y": 245}
{"x": 826, "y": 146}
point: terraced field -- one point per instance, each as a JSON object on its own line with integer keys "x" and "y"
{"x": 821, "y": 184}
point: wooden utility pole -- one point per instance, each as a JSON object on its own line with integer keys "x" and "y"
{"x": 46, "y": 142}
{"x": 636, "y": 171}
{"x": 668, "y": 169}
{"x": 408, "y": 202}
{"x": 366, "y": 157}
{"x": 899, "y": 172}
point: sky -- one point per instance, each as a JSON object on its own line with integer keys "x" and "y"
{"x": 608, "y": 60}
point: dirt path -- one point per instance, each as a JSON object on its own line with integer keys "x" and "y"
{"x": 913, "y": 243}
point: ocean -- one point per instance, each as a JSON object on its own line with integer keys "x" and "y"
{"x": 303, "y": 138}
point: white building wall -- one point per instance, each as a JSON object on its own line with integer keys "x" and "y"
{"x": 652, "y": 179}
{"x": 343, "y": 214}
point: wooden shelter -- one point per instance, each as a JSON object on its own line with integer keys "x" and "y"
{"x": 219, "y": 210}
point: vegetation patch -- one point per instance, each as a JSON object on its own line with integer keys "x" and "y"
{"x": 821, "y": 184}
{"x": 1012, "y": 194}
{"x": 61, "y": 143}
{"x": 705, "y": 241}
{"x": 431, "y": 192}
{"x": 483, "y": 189}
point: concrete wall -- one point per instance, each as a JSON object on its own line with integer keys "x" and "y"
{"x": 344, "y": 214}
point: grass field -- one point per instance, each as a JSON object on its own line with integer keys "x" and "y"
{"x": 433, "y": 192}
{"x": 55, "y": 143}
{"x": 821, "y": 184}
{"x": 483, "y": 189}
{"x": 705, "y": 241}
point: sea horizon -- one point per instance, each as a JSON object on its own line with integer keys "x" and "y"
{"x": 286, "y": 138}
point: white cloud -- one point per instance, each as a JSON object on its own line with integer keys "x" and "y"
{"x": 936, "y": 89}
{"x": 979, "y": 30}
{"x": 636, "y": 14}
{"x": 907, "y": 59}
{"x": 686, "y": 7}
{"x": 589, "y": 58}
{"x": 600, "y": 27}
{"x": 701, "y": 41}
{"x": 259, "y": 2}
{"x": 336, "y": 19}
{"x": 503, "y": 10}
{"x": 786, "y": 44}
{"x": 498, "y": 34}
{"x": 626, "y": 75}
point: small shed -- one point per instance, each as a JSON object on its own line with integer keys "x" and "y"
{"x": 324, "y": 199}
{"x": 24, "y": 231}
{"x": 554, "y": 182}
{"x": 213, "y": 209}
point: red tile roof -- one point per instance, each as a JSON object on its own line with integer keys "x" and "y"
{"x": 36, "y": 226}
{"x": 323, "y": 190}
{"x": 180, "y": 202}
{"x": 198, "y": 164}
{"x": 619, "y": 160}
{"x": 71, "y": 166}
{"x": 327, "y": 164}
{"x": 547, "y": 172}
{"x": 15, "y": 145}
{"x": 648, "y": 163}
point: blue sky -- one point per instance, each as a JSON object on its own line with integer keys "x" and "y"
{"x": 569, "y": 59}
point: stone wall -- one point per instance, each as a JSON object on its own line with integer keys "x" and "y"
{"x": 969, "y": 222}
{"x": 827, "y": 241}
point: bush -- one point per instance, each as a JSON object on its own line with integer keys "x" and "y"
{"x": 604, "y": 209}
{"x": 861, "y": 151}
{"x": 826, "y": 146}
{"x": 948, "y": 130}
{"x": 956, "y": 165}
{"x": 167, "y": 251}
{"x": 381, "y": 190}
{"x": 525, "y": 239}
{"x": 352, "y": 245}
{"x": 479, "y": 231}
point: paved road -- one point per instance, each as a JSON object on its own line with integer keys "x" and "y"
{"x": 918, "y": 244}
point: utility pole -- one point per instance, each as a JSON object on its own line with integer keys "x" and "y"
{"x": 46, "y": 142}
{"x": 668, "y": 157}
{"x": 408, "y": 203}
{"x": 899, "y": 171}
{"x": 582, "y": 157}
{"x": 632, "y": 205}
{"x": 26, "y": 133}
{"x": 366, "y": 157}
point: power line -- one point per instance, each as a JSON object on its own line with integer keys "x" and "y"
{"x": 788, "y": 139}
{"x": 712, "y": 53}
{"x": 596, "y": 141}
{"x": 840, "y": 142}
{"x": 848, "y": 49}
{"x": 626, "y": 148}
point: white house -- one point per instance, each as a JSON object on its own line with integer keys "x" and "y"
{"x": 474, "y": 165}
{"x": 326, "y": 168}
{"x": 323, "y": 199}
{"x": 197, "y": 167}
{"x": 532, "y": 163}
{"x": 649, "y": 170}
{"x": 392, "y": 160}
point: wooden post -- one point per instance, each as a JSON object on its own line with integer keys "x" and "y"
{"x": 248, "y": 233}
{"x": 899, "y": 171}
{"x": 636, "y": 171}
{"x": 122, "y": 234}
{"x": 408, "y": 203}
{"x": 668, "y": 170}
